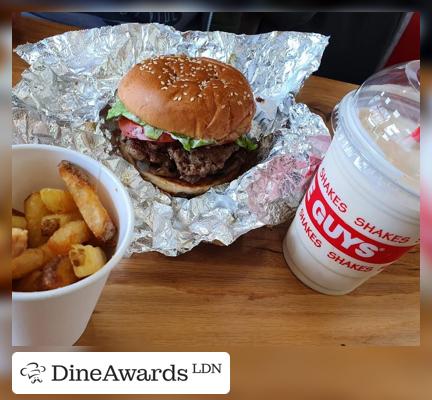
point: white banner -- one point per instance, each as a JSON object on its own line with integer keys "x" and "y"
{"x": 120, "y": 373}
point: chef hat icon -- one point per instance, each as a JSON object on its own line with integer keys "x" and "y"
{"x": 33, "y": 370}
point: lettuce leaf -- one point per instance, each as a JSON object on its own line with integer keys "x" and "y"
{"x": 152, "y": 132}
{"x": 118, "y": 109}
{"x": 247, "y": 143}
{"x": 189, "y": 143}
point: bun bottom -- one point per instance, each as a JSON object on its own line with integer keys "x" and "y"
{"x": 233, "y": 168}
{"x": 184, "y": 189}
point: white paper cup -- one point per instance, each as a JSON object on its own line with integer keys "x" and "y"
{"x": 58, "y": 317}
{"x": 355, "y": 219}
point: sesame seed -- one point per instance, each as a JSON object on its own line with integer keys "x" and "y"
{"x": 185, "y": 93}
{"x": 192, "y": 98}
{"x": 239, "y": 103}
{"x": 223, "y": 106}
{"x": 164, "y": 88}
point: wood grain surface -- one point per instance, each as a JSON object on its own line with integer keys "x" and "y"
{"x": 243, "y": 294}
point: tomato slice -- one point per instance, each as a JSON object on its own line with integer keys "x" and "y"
{"x": 165, "y": 138}
{"x": 131, "y": 129}
{"x": 136, "y": 131}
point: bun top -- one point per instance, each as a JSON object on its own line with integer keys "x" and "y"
{"x": 197, "y": 97}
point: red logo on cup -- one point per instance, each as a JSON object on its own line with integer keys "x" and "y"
{"x": 344, "y": 237}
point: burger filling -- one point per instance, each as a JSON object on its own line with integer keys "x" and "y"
{"x": 171, "y": 160}
{"x": 172, "y": 155}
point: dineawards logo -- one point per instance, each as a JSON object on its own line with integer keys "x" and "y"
{"x": 33, "y": 371}
{"x": 120, "y": 373}
{"x": 61, "y": 373}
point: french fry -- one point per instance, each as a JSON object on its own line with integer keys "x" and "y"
{"x": 94, "y": 213}
{"x": 19, "y": 222}
{"x": 74, "y": 232}
{"x": 35, "y": 210}
{"x": 49, "y": 226}
{"x": 28, "y": 283}
{"x": 19, "y": 241}
{"x": 57, "y": 201}
{"x": 65, "y": 273}
{"x": 28, "y": 261}
{"x": 48, "y": 254}
{"x": 17, "y": 213}
{"x": 86, "y": 260}
{"x": 50, "y": 223}
{"x": 58, "y": 272}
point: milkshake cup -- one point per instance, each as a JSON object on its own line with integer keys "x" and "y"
{"x": 362, "y": 210}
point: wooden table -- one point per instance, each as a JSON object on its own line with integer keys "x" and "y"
{"x": 243, "y": 294}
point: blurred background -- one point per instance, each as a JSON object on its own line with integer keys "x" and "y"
{"x": 361, "y": 44}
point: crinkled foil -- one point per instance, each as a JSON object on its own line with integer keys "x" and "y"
{"x": 74, "y": 75}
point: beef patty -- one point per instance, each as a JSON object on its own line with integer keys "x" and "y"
{"x": 172, "y": 160}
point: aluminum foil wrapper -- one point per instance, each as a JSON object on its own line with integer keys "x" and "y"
{"x": 73, "y": 76}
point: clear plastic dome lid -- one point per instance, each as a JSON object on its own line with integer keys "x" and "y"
{"x": 388, "y": 108}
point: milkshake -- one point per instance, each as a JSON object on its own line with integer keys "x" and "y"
{"x": 361, "y": 211}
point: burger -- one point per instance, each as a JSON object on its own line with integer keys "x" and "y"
{"x": 183, "y": 122}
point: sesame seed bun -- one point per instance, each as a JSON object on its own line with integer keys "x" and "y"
{"x": 197, "y": 97}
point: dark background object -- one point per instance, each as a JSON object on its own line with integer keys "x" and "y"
{"x": 360, "y": 42}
